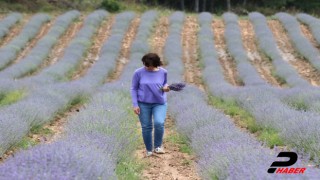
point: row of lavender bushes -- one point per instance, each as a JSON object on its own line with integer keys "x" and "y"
{"x": 72, "y": 57}
{"x": 39, "y": 107}
{"x": 41, "y": 50}
{"x": 173, "y": 49}
{"x": 220, "y": 142}
{"x": 97, "y": 138}
{"x": 265, "y": 103}
{"x": 212, "y": 71}
{"x": 9, "y": 22}
{"x": 10, "y": 51}
{"x": 298, "y": 129}
{"x": 111, "y": 49}
{"x": 269, "y": 46}
{"x": 308, "y": 95}
{"x": 308, "y": 98}
{"x": 74, "y": 53}
{"x": 232, "y": 34}
{"x": 302, "y": 96}
{"x": 301, "y": 43}
{"x": 138, "y": 49}
{"x": 225, "y": 152}
{"x": 313, "y": 24}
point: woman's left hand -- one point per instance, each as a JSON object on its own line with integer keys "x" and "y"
{"x": 166, "y": 89}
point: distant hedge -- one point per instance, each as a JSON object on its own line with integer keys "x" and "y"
{"x": 267, "y": 7}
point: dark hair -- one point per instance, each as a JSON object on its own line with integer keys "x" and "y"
{"x": 151, "y": 59}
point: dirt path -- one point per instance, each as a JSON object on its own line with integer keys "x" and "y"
{"x": 260, "y": 62}
{"x": 192, "y": 73}
{"x": 58, "y": 49}
{"x": 57, "y": 126}
{"x": 94, "y": 51}
{"x": 303, "y": 67}
{"x": 124, "y": 56}
{"x": 42, "y": 32}
{"x": 308, "y": 34}
{"x": 15, "y": 30}
{"x": 229, "y": 66}
{"x": 158, "y": 40}
{"x": 173, "y": 164}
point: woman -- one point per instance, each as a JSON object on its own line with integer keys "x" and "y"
{"x": 148, "y": 91}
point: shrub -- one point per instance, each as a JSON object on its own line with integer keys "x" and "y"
{"x": 111, "y": 5}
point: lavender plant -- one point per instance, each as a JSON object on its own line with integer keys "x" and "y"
{"x": 212, "y": 70}
{"x": 72, "y": 57}
{"x": 224, "y": 151}
{"x": 106, "y": 119}
{"x": 177, "y": 86}
{"x": 95, "y": 140}
{"x": 235, "y": 47}
{"x": 9, "y": 52}
{"x": 77, "y": 158}
{"x": 301, "y": 98}
{"x": 41, "y": 50}
{"x": 138, "y": 49}
{"x": 173, "y": 49}
{"x": 41, "y": 106}
{"x": 312, "y": 22}
{"x": 270, "y": 113}
{"x": 269, "y": 46}
{"x": 215, "y": 150}
{"x": 8, "y": 22}
{"x": 110, "y": 50}
{"x": 301, "y": 43}
{"x": 74, "y": 52}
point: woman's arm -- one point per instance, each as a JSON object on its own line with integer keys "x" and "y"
{"x": 134, "y": 89}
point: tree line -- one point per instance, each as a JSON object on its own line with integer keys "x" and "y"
{"x": 229, "y": 5}
{"x": 267, "y": 7}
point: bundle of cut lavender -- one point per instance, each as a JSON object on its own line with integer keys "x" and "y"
{"x": 176, "y": 86}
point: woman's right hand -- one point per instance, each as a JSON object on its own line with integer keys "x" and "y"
{"x": 136, "y": 110}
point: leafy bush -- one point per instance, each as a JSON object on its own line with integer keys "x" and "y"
{"x": 111, "y": 5}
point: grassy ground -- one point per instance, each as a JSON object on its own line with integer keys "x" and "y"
{"x": 11, "y": 97}
{"x": 245, "y": 120}
{"x": 176, "y": 138}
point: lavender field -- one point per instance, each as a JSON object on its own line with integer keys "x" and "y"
{"x": 65, "y": 107}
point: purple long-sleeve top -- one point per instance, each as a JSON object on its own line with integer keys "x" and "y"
{"x": 146, "y": 86}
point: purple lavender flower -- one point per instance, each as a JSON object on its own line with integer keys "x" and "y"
{"x": 176, "y": 86}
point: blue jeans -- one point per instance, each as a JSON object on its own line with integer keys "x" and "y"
{"x": 158, "y": 111}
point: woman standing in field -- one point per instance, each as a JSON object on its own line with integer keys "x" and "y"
{"x": 148, "y": 91}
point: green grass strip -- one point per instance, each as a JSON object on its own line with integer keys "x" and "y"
{"x": 279, "y": 79}
{"x": 12, "y": 97}
{"x": 28, "y": 141}
{"x": 129, "y": 166}
{"x": 182, "y": 141}
{"x": 246, "y": 120}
